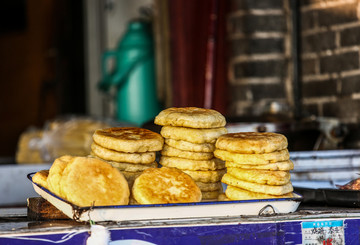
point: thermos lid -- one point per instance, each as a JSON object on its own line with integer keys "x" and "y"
{"x": 138, "y": 33}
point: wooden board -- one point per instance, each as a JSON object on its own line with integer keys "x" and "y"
{"x": 40, "y": 209}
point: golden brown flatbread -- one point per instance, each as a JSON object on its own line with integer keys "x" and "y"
{"x": 188, "y": 146}
{"x": 265, "y": 177}
{"x": 117, "y": 156}
{"x": 209, "y": 176}
{"x": 89, "y": 181}
{"x": 284, "y": 165}
{"x": 188, "y": 164}
{"x": 235, "y": 193}
{"x": 191, "y": 117}
{"x": 216, "y": 186}
{"x": 198, "y": 136}
{"x": 253, "y": 159}
{"x": 255, "y": 187}
{"x": 165, "y": 185}
{"x": 133, "y": 167}
{"x": 56, "y": 172}
{"x": 210, "y": 195}
{"x": 174, "y": 152}
{"x": 252, "y": 142}
{"x": 40, "y": 178}
{"x": 128, "y": 139}
{"x": 222, "y": 197}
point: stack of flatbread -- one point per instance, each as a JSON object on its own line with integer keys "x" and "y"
{"x": 257, "y": 165}
{"x": 131, "y": 150}
{"x": 63, "y": 136}
{"x": 27, "y": 151}
{"x": 85, "y": 181}
{"x": 190, "y": 134}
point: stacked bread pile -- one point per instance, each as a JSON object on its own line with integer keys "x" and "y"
{"x": 190, "y": 134}
{"x": 71, "y": 136}
{"x": 85, "y": 181}
{"x": 27, "y": 151}
{"x": 62, "y": 136}
{"x": 257, "y": 165}
{"x": 129, "y": 149}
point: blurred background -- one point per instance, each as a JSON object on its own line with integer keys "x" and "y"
{"x": 286, "y": 66}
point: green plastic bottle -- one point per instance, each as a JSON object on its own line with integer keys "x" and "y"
{"x": 133, "y": 75}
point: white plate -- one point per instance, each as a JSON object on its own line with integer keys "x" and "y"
{"x": 170, "y": 211}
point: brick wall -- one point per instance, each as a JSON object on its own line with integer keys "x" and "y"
{"x": 259, "y": 67}
{"x": 330, "y": 33}
{"x": 260, "y": 70}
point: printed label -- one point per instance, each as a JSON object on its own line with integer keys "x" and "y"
{"x": 323, "y": 232}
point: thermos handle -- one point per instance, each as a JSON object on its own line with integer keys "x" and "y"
{"x": 120, "y": 75}
{"x": 106, "y": 83}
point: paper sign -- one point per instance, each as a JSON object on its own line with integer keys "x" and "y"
{"x": 323, "y": 232}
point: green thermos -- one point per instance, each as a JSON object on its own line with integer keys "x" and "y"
{"x": 133, "y": 75}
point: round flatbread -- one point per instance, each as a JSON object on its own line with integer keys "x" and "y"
{"x": 206, "y": 176}
{"x": 133, "y": 167}
{"x": 222, "y": 197}
{"x": 198, "y": 136}
{"x": 188, "y": 146}
{"x": 128, "y": 139}
{"x": 40, "y": 178}
{"x": 210, "y": 195}
{"x": 253, "y": 159}
{"x": 174, "y": 152}
{"x": 189, "y": 164}
{"x": 265, "y": 177}
{"x": 88, "y": 181}
{"x": 165, "y": 185}
{"x": 252, "y": 142}
{"x": 235, "y": 193}
{"x": 284, "y": 165}
{"x": 191, "y": 117}
{"x": 216, "y": 186}
{"x": 56, "y": 172}
{"x": 117, "y": 156}
{"x": 255, "y": 187}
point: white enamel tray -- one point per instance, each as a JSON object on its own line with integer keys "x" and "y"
{"x": 170, "y": 211}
